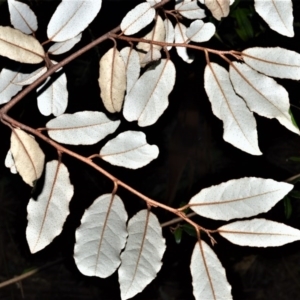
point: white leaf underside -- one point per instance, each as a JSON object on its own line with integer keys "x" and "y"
{"x": 259, "y": 233}
{"x": 262, "y": 94}
{"x": 53, "y": 95}
{"x": 218, "y": 8}
{"x": 209, "y": 277}
{"x": 137, "y": 18}
{"x": 28, "y": 78}
{"x": 7, "y": 88}
{"x": 241, "y": 198}
{"x": 22, "y": 17}
{"x": 152, "y": 55}
{"x": 180, "y": 37}
{"x": 112, "y": 80}
{"x": 238, "y": 122}
{"x": 170, "y": 32}
{"x": 148, "y": 98}
{"x": 28, "y": 156}
{"x": 278, "y": 14}
{"x": 190, "y": 10}
{"x": 81, "y": 128}
{"x": 63, "y": 47}
{"x": 101, "y": 237}
{"x": 141, "y": 259}
{"x": 20, "y": 47}
{"x": 200, "y": 32}
{"x": 130, "y": 150}
{"x": 275, "y": 62}
{"x": 71, "y": 18}
{"x": 10, "y": 163}
{"x": 153, "y": 2}
{"x": 48, "y": 213}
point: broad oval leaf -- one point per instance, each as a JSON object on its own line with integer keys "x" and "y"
{"x": 132, "y": 66}
{"x": 130, "y": 150}
{"x": 28, "y": 156}
{"x": 141, "y": 259}
{"x": 190, "y": 10}
{"x": 53, "y": 95}
{"x": 26, "y": 79}
{"x": 22, "y": 17}
{"x": 170, "y": 32}
{"x": 137, "y": 18}
{"x": 278, "y": 14}
{"x": 112, "y": 80}
{"x": 7, "y": 87}
{"x": 47, "y": 214}
{"x": 209, "y": 277}
{"x": 180, "y": 37}
{"x": 259, "y": 233}
{"x": 200, "y": 32}
{"x": 239, "y": 123}
{"x": 71, "y": 18}
{"x": 81, "y": 128}
{"x": 240, "y": 198}
{"x": 101, "y": 237}
{"x": 148, "y": 98}
{"x": 10, "y": 163}
{"x": 218, "y": 8}
{"x": 20, "y": 47}
{"x": 63, "y": 47}
{"x": 276, "y": 62}
{"x": 262, "y": 94}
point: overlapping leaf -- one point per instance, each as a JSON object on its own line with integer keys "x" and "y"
{"x": 239, "y": 198}
{"x": 209, "y": 278}
{"x": 130, "y": 150}
{"x": 190, "y": 9}
{"x": 63, "y": 47}
{"x": 148, "y": 98}
{"x": 7, "y": 88}
{"x": 71, "y": 18}
{"x": 101, "y": 237}
{"x": 200, "y": 32}
{"x": 112, "y": 80}
{"x": 81, "y": 128}
{"x": 218, "y": 8}
{"x": 153, "y": 2}
{"x": 10, "y": 163}
{"x": 141, "y": 259}
{"x": 239, "y": 123}
{"x": 26, "y": 79}
{"x": 47, "y": 214}
{"x": 170, "y": 32}
{"x": 259, "y": 233}
{"x": 180, "y": 37}
{"x": 28, "y": 156}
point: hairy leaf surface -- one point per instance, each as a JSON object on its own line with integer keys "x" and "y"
{"x": 239, "y": 123}
{"x": 112, "y": 80}
{"x": 259, "y": 233}
{"x": 101, "y": 237}
{"x": 190, "y": 10}
{"x": 7, "y": 87}
{"x": 200, "y": 32}
{"x": 130, "y": 150}
{"x": 141, "y": 259}
{"x": 240, "y": 198}
{"x": 81, "y": 128}
{"x": 20, "y": 47}
{"x": 209, "y": 277}
{"x": 63, "y": 47}
{"x": 47, "y": 214}
{"x": 148, "y": 98}
{"x": 28, "y": 156}
{"x": 71, "y": 18}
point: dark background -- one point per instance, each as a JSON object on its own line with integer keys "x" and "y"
{"x": 192, "y": 156}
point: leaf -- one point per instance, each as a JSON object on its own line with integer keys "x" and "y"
{"x": 130, "y": 150}
{"x": 20, "y": 47}
{"x": 200, "y": 32}
{"x": 63, "y": 47}
{"x": 28, "y": 156}
{"x": 71, "y": 18}
{"x": 47, "y": 215}
{"x": 240, "y": 198}
{"x": 190, "y": 10}
{"x": 259, "y": 233}
{"x": 101, "y": 237}
{"x": 262, "y": 94}
{"x": 22, "y": 17}
{"x": 132, "y": 66}
{"x": 137, "y": 18}
{"x": 278, "y": 14}
{"x": 239, "y": 123}
{"x": 276, "y": 62}
{"x": 148, "y": 98}
{"x": 53, "y": 95}
{"x": 209, "y": 277}
{"x": 218, "y": 8}
{"x": 152, "y": 55}
{"x": 7, "y": 88}
{"x": 112, "y": 80}
{"x": 170, "y": 32}
{"x": 141, "y": 259}
{"x": 10, "y": 163}
{"x": 81, "y": 128}
{"x": 153, "y": 2}
{"x": 180, "y": 37}
{"x": 26, "y": 79}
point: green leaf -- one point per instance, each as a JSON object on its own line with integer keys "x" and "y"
{"x": 294, "y": 158}
{"x": 287, "y": 207}
{"x": 178, "y": 235}
{"x": 295, "y": 194}
{"x": 189, "y": 229}
{"x": 293, "y": 119}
